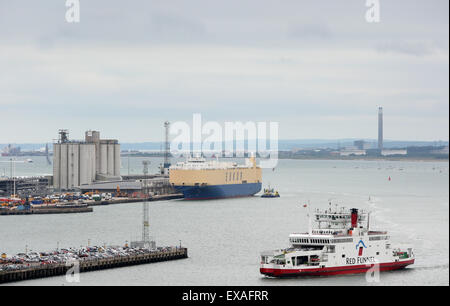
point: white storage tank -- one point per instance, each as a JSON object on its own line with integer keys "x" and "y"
{"x": 63, "y": 167}
{"x": 73, "y": 166}
{"x": 117, "y": 160}
{"x": 78, "y": 163}
{"x": 93, "y": 162}
{"x": 87, "y": 163}
{"x": 110, "y": 159}
{"x": 56, "y": 165}
{"x": 103, "y": 158}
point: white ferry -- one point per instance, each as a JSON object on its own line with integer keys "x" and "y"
{"x": 341, "y": 243}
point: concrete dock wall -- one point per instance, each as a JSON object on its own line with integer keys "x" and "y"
{"x": 47, "y": 210}
{"x": 42, "y": 271}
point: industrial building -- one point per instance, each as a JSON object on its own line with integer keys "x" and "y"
{"x": 25, "y": 186}
{"x": 352, "y": 152}
{"x": 361, "y": 144}
{"x": 10, "y": 150}
{"x": 82, "y": 162}
{"x": 145, "y": 184}
{"x": 394, "y": 152}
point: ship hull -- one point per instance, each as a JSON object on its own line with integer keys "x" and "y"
{"x": 339, "y": 270}
{"x": 218, "y": 191}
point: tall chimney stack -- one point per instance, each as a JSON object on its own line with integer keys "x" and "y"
{"x": 380, "y": 128}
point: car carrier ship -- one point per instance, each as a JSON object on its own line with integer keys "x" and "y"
{"x": 341, "y": 243}
{"x": 199, "y": 179}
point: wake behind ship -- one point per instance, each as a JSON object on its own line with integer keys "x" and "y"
{"x": 199, "y": 179}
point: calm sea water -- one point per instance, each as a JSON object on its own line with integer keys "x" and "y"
{"x": 225, "y": 237}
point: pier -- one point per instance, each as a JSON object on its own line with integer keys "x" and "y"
{"x": 162, "y": 197}
{"x": 50, "y": 209}
{"x": 91, "y": 264}
{"x": 84, "y": 206}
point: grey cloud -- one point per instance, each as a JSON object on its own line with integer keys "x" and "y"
{"x": 140, "y": 60}
{"x": 101, "y": 21}
{"x": 223, "y": 22}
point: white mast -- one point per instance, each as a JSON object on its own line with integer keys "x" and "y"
{"x": 309, "y": 220}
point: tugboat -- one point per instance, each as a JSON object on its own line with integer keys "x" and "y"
{"x": 270, "y": 193}
{"x": 341, "y": 243}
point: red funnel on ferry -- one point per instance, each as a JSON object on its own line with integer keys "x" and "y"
{"x": 354, "y": 217}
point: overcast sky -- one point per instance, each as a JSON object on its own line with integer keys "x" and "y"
{"x": 316, "y": 67}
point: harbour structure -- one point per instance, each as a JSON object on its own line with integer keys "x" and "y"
{"x": 90, "y": 259}
{"x": 48, "y": 209}
{"x": 380, "y": 128}
{"x": 147, "y": 242}
{"x": 148, "y": 185}
{"x": 82, "y": 162}
{"x": 145, "y": 226}
{"x": 25, "y": 186}
{"x": 341, "y": 243}
{"x": 199, "y": 179}
{"x": 164, "y": 168}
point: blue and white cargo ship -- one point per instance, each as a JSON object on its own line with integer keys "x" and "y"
{"x": 199, "y": 179}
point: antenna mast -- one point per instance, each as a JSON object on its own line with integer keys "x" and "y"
{"x": 145, "y": 163}
{"x": 145, "y": 226}
{"x": 166, "y": 163}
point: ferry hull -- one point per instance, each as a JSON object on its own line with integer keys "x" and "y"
{"x": 279, "y": 272}
{"x": 218, "y": 191}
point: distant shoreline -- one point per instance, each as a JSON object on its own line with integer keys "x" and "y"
{"x": 406, "y": 159}
{"x": 309, "y": 157}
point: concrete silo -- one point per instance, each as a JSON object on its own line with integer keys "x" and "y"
{"x": 56, "y": 165}
{"x": 103, "y": 158}
{"x": 63, "y": 167}
{"x": 87, "y": 163}
{"x": 117, "y": 160}
{"x": 73, "y": 177}
{"x": 82, "y": 162}
{"x": 110, "y": 159}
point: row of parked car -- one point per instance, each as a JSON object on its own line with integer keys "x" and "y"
{"x": 54, "y": 199}
{"x": 32, "y": 259}
{"x": 70, "y": 197}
